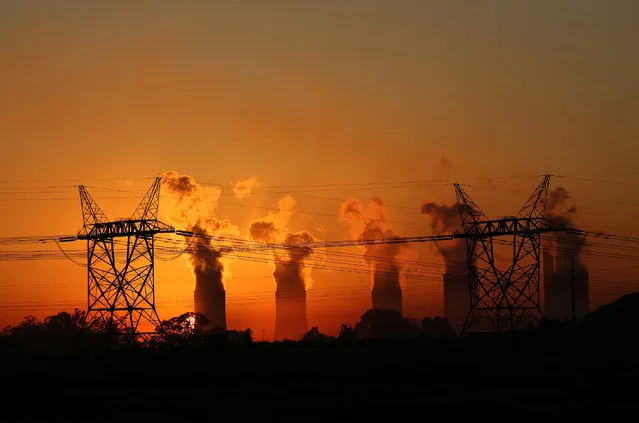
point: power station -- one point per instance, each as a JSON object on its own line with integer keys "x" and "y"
{"x": 290, "y": 314}
{"x": 209, "y": 299}
{"x": 290, "y": 291}
{"x": 387, "y": 292}
{"x": 566, "y": 291}
{"x": 456, "y": 297}
{"x": 121, "y": 296}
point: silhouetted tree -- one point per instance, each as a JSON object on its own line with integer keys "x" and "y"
{"x": 346, "y": 332}
{"x": 315, "y": 335}
{"x": 240, "y": 336}
{"x": 26, "y": 335}
{"x": 57, "y": 333}
{"x": 29, "y": 327}
{"x": 385, "y": 324}
{"x": 436, "y": 327}
{"x": 100, "y": 326}
{"x": 64, "y": 324}
{"x": 181, "y": 328}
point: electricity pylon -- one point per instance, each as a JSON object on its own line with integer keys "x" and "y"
{"x": 120, "y": 263}
{"x": 504, "y": 296}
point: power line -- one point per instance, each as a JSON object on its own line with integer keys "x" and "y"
{"x": 314, "y": 295}
{"x": 326, "y": 244}
{"x": 27, "y": 181}
{"x": 598, "y": 181}
{"x": 596, "y": 200}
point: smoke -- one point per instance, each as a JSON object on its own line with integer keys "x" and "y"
{"x": 372, "y": 223}
{"x": 263, "y": 231}
{"x": 206, "y": 261}
{"x": 446, "y": 219}
{"x": 245, "y": 187}
{"x": 291, "y": 271}
{"x": 560, "y": 210}
{"x": 443, "y": 218}
{"x": 445, "y": 163}
{"x": 192, "y": 207}
{"x": 557, "y": 198}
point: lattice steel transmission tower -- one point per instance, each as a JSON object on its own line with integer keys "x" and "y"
{"x": 504, "y": 296}
{"x": 120, "y": 262}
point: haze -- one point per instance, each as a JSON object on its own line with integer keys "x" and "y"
{"x": 307, "y": 95}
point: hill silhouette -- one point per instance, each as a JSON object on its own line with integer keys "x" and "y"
{"x": 616, "y": 321}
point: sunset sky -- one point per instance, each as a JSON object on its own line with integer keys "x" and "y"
{"x": 323, "y": 101}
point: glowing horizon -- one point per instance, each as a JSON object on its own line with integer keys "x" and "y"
{"x": 323, "y": 103}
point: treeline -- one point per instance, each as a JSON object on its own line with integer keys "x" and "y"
{"x": 65, "y": 331}
{"x": 617, "y": 322}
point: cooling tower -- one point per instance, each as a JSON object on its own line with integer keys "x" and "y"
{"x": 456, "y": 298}
{"x": 210, "y": 300}
{"x": 387, "y": 293}
{"x": 290, "y": 314}
{"x": 558, "y": 290}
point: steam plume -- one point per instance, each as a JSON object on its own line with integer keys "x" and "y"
{"x": 556, "y": 199}
{"x": 445, "y": 163}
{"x": 291, "y": 275}
{"x": 370, "y": 224}
{"x": 445, "y": 219}
{"x": 560, "y": 210}
{"x": 384, "y": 260}
{"x": 290, "y": 270}
{"x": 192, "y": 207}
{"x": 245, "y": 187}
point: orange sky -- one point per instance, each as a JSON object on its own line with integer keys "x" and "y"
{"x": 302, "y": 94}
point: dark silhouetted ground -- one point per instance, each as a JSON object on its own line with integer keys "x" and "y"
{"x": 489, "y": 377}
{"x": 554, "y": 372}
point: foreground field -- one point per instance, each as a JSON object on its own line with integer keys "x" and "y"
{"x": 488, "y": 377}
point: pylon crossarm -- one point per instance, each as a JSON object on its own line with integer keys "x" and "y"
{"x": 91, "y": 213}
{"x": 121, "y": 228}
{"x": 148, "y": 207}
{"x": 469, "y": 211}
{"x": 535, "y": 205}
{"x": 508, "y": 226}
